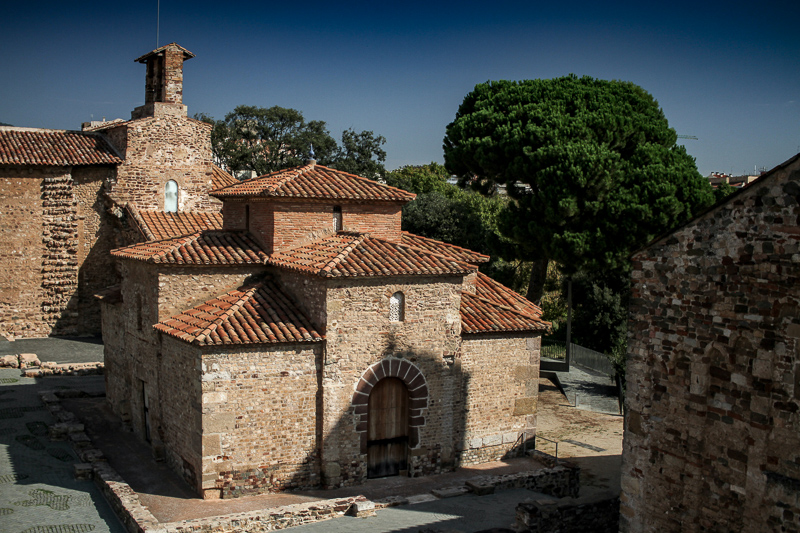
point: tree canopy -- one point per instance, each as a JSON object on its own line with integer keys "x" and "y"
{"x": 267, "y": 139}
{"x": 592, "y": 167}
{"x": 449, "y": 213}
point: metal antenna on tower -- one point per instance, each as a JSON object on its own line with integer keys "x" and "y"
{"x": 158, "y": 19}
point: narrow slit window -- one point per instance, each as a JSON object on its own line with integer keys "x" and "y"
{"x": 171, "y": 197}
{"x": 397, "y": 305}
{"x": 337, "y": 218}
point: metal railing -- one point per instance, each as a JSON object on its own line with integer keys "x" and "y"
{"x": 557, "y": 350}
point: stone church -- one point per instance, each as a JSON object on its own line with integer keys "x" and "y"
{"x": 268, "y": 334}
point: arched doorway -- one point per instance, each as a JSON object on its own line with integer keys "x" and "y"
{"x": 387, "y": 434}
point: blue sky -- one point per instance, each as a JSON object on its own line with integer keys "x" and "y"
{"x": 726, "y": 72}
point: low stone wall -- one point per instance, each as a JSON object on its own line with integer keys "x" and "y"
{"x": 268, "y": 519}
{"x": 64, "y": 369}
{"x": 599, "y": 514}
{"x": 138, "y": 519}
{"x": 559, "y": 481}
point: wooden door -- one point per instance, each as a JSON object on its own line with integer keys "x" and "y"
{"x": 387, "y": 437}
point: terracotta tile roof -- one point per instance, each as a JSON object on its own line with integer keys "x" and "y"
{"x": 186, "y": 53}
{"x": 258, "y": 314}
{"x": 314, "y": 181}
{"x": 480, "y": 315}
{"x": 27, "y": 146}
{"x": 220, "y": 178}
{"x": 347, "y": 254}
{"x": 203, "y": 248}
{"x": 157, "y": 225}
{"x": 499, "y": 294}
{"x": 443, "y": 248}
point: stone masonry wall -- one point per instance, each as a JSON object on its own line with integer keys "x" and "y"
{"x": 501, "y": 388}
{"x": 181, "y": 288}
{"x": 260, "y": 417}
{"x": 21, "y": 251}
{"x": 713, "y": 378}
{"x": 159, "y": 149}
{"x": 96, "y": 239}
{"x": 180, "y": 423}
{"x": 51, "y": 242}
{"x": 132, "y": 348}
{"x": 359, "y": 334}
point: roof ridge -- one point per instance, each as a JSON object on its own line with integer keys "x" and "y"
{"x": 330, "y": 265}
{"x": 225, "y": 315}
{"x": 291, "y": 174}
{"x": 442, "y": 242}
{"x": 362, "y": 178}
{"x": 142, "y": 225}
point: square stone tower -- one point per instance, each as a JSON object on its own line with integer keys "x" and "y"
{"x": 163, "y": 82}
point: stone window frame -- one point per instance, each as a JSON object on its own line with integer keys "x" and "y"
{"x": 169, "y": 203}
{"x": 397, "y": 307}
{"x": 417, "y": 385}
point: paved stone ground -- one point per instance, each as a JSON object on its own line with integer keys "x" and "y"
{"x": 593, "y": 391}
{"x": 58, "y": 350}
{"x": 37, "y": 491}
{"x": 463, "y": 514}
{"x": 39, "y": 495}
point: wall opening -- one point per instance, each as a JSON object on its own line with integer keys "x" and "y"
{"x": 337, "y": 218}
{"x": 171, "y": 197}
{"x": 397, "y": 307}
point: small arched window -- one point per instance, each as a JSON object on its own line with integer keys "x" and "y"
{"x": 337, "y": 218}
{"x": 397, "y": 307}
{"x": 171, "y": 197}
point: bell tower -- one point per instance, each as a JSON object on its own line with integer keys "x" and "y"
{"x": 163, "y": 93}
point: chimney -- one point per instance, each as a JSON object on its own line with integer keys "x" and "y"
{"x": 163, "y": 88}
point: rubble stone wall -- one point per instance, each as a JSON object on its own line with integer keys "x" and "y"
{"x": 359, "y": 334}
{"x": 181, "y": 288}
{"x": 50, "y": 222}
{"x": 259, "y": 427}
{"x": 22, "y": 250}
{"x": 157, "y": 150}
{"x": 497, "y": 415}
{"x": 180, "y": 423}
{"x": 713, "y": 374}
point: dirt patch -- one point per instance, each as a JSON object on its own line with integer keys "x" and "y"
{"x": 592, "y": 440}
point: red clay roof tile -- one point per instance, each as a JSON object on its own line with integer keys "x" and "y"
{"x": 203, "y": 248}
{"x": 346, "y": 254}
{"x": 480, "y": 315}
{"x": 220, "y": 178}
{"x": 499, "y": 294}
{"x": 261, "y": 313}
{"x": 24, "y": 146}
{"x": 157, "y": 225}
{"x": 443, "y": 248}
{"x": 314, "y": 181}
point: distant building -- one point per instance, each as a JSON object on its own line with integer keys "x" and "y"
{"x": 712, "y": 430}
{"x": 737, "y": 182}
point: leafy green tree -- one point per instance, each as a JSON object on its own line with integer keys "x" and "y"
{"x": 451, "y": 214}
{"x": 421, "y": 179}
{"x": 361, "y": 154}
{"x": 722, "y": 191}
{"x": 267, "y": 139}
{"x": 592, "y": 167}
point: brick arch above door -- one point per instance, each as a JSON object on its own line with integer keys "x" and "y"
{"x": 417, "y": 386}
